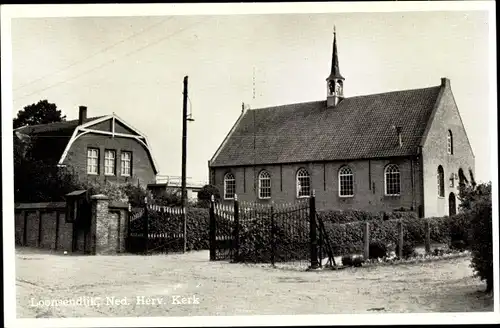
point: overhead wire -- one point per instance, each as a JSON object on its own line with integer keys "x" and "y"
{"x": 94, "y": 54}
{"x": 110, "y": 61}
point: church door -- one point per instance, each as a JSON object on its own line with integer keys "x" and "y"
{"x": 452, "y": 204}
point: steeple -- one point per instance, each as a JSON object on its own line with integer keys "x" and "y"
{"x": 335, "y": 82}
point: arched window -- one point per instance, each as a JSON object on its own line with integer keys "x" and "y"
{"x": 229, "y": 186}
{"x": 392, "y": 180}
{"x": 450, "y": 142}
{"x": 303, "y": 183}
{"x": 440, "y": 181}
{"x": 346, "y": 182}
{"x": 264, "y": 185}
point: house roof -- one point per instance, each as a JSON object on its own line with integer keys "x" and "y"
{"x": 357, "y": 128}
{"x": 64, "y": 126}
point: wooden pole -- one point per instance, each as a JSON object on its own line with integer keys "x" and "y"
{"x": 184, "y": 155}
{"x": 400, "y": 238}
{"x": 427, "y": 237}
{"x": 366, "y": 240}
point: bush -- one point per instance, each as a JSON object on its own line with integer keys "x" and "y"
{"x": 481, "y": 238}
{"x": 358, "y": 261}
{"x": 458, "y": 245}
{"x": 408, "y": 250}
{"x": 377, "y": 249}
{"x": 206, "y": 193}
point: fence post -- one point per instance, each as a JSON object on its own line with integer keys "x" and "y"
{"x": 427, "y": 237}
{"x": 146, "y": 226}
{"x": 400, "y": 239}
{"x": 236, "y": 230}
{"x": 273, "y": 237}
{"x": 366, "y": 240}
{"x": 312, "y": 231}
{"x": 212, "y": 238}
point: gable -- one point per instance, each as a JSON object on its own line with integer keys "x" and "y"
{"x": 122, "y": 128}
{"x": 446, "y": 117}
{"x": 357, "y": 128}
{"x": 107, "y": 126}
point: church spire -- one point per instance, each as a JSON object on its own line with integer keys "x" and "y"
{"x": 335, "y": 72}
{"x": 335, "y": 82}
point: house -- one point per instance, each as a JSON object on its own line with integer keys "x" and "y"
{"x": 103, "y": 148}
{"x": 380, "y": 152}
{"x": 173, "y": 184}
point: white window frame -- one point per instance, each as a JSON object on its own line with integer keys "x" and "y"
{"x": 449, "y": 143}
{"x": 91, "y": 157}
{"x": 124, "y": 160}
{"x": 344, "y": 172}
{"x": 264, "y": 176}
{"x": 302, "y": 173}
{"x": 386, "y": 172}
{"x": 106, "y": 159}
{"x": 229, "y": 177}
{"x": 440, "y": 182}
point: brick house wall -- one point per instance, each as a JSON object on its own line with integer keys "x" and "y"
{"x": 142, "y": 164}
{"x": 434, "y": 153}
{"x": 369, "y": 189}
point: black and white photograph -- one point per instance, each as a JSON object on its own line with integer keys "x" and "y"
{"x": 248, "y": 164}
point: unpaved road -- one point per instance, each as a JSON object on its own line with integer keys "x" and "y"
{"x": 221, "y": 288}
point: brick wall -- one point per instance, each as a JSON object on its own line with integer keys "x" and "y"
{"x": 369, "y": 191}
{"x": 434, "y": 153}
{"x": 142, "y": 165}
{"x": 44, "y": 225}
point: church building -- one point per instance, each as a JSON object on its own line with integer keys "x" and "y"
{"x": 397, "y": 150}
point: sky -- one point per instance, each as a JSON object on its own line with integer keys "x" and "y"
{"x": 134, "y": 66}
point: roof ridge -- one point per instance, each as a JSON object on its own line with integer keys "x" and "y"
{"x": 358, "y": 96}
{"x": 291, "y": 104}
{"x": 394, "y": 91}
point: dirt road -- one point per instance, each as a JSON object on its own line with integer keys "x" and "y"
{"x": 187, "y": 285}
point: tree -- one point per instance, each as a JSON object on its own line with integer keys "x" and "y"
{"x": 39, "y": 113}
{"x": 205, "y": 194}
{"x": 481, "y": 237}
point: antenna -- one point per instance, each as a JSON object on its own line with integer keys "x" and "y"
{"x": 253, "y": 84}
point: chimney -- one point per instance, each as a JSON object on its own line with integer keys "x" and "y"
{"x": 82, "y": 115}
{"x": 398, "y": 130}
{"x": 445, "y": 82}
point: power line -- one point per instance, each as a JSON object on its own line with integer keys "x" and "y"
{"x": 94, "y": 54}
{"x": 108, "y": 62}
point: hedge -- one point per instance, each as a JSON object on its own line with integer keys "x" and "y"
{"x": 197, "y": 226}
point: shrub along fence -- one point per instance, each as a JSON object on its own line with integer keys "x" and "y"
{"x": 246, "y": 232}
{"x": 164, "y": 228}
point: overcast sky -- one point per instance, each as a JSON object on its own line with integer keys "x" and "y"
{"x": 134, "y": 66}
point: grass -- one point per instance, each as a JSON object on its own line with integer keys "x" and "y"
{"x": 238, "y": 289}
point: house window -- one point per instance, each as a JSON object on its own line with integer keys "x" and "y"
{"x": 450, "y": 142}
{"x": 229, "y": 186}
{"x": 440, "y": 181}
{"x": 392, "y": 180}
{"x": 264, "y": 185}
{"x": 125, "y": 163}
{"x": 109, "y": 162}
{"x": 346, "y": 182}
{"x": 303, "y": 183}
{"x": 93, "y": 161}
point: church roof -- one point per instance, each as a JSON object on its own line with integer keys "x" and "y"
{"x": 358, "y": 127}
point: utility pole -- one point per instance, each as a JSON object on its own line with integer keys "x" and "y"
{"x": 184, "y": 143}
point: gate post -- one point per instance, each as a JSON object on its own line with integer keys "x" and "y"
{"x": 146, "y": 226}
{"x": 312, "y": 231}
{"x": 236, "y": 230}
{"x": 212, "y": 238}
{"x": 366, "y": 240}
{"x": 273, "y": 236}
